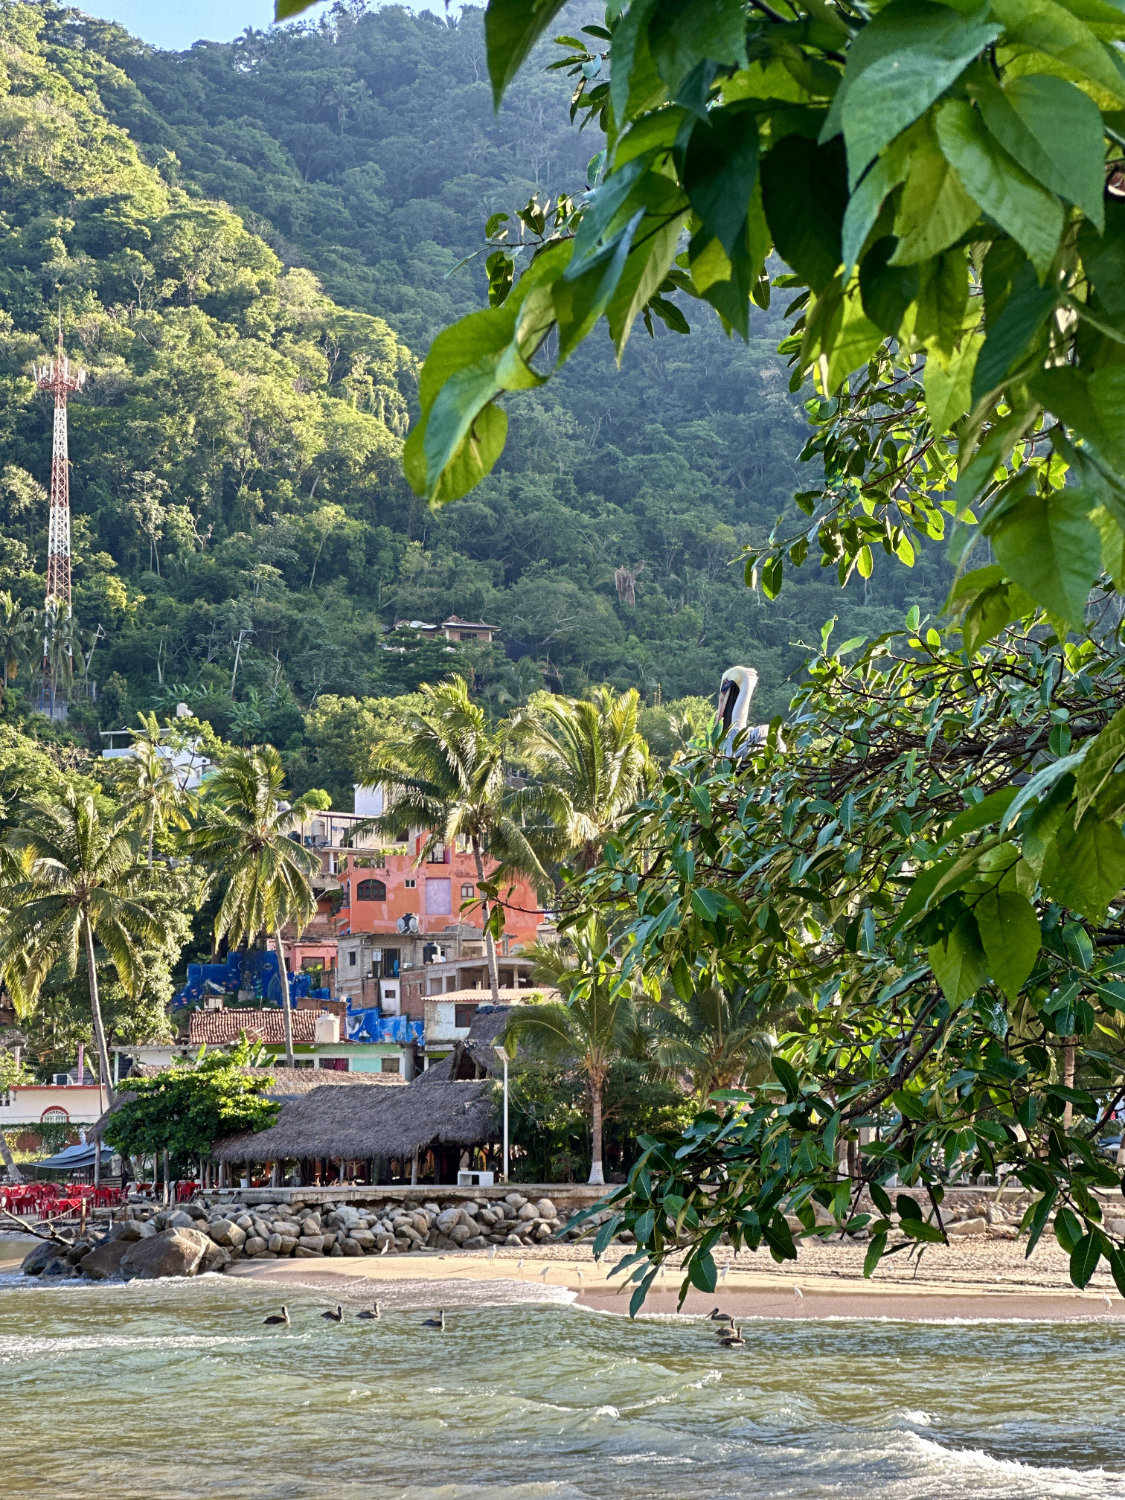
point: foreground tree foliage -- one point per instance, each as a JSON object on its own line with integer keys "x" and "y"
{"x": 185, "y": 1108}
{"x": 936, "y": 897}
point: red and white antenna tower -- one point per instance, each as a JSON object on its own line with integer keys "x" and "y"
{"x": 61, "y": 378}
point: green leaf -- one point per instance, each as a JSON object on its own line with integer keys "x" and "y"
{"x": 1092, "y": 405}
{"x": 1011, "y": 334}
{"x": 1030, "y": 214}
{"x": 1102, "y": 755}
{"x": 1084, "y": 1258}
{"x": 882, "y": 97}
{"x": 1009, "y": 931}
{"x": 865, "y": 202}
{"x": 682, "y": 36}
{"x": 804, "y": 192}
{"x": 702, "y": 1272}
{"x": 720, "y": 168}
{"x": 1086, "y": 868}
{"x": 511, "y": 29}
{"x": 1042, "y": 26}
{"x": 980, "y": 814}
{"x": 1068, "y": 1229}
{"x": 958, "y": 961}
{"x": 283, "y": 9}
{"x": 1049, "y": 546}
{"x": 934, "y": 210}
{"x": 1054, "y": 131}
{"x": 874, "y": 1253}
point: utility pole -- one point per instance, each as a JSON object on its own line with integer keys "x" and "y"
{"x": 242, "y": 634}
{"x": 61, "y": 379}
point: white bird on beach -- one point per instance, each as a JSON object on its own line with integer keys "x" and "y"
{"x": 543, "y": 1273}
{"x": 519, "y": 1265}
{"x": 580, "y": 1273}
{"x": 1107, "y": 1300}
{"x": 492, "y": 1253}
{"x": 663, "y": 1275}
{"x": 386, "y": 1247}
{"x": 798, "y": 1295}
{"x": 723, "y": 1273}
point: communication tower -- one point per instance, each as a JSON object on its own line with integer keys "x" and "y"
{"x": 61, "y": 378}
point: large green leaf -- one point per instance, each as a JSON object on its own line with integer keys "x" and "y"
{"x": 1085, "y": 869}
{"x": 1049, "y": 546}
{"x": 511, "y": 29}
{"x": 1053, "y": 30}
{"x": 1100, "y": 759}
{"x": 894, "y": 90}
{"x": 1084, "y": 1258}
{"x": 1055, "y": 132}
{"x": 948, "y": 387}
{"x": 681, "y": 36}
{"x": 804, "y": 193}
{"x": 1010, "y": 934}
{"x": 897, "y": 65}
{"x": 1094, "y": 406}
{"x": 1013, "y": 330}
{"x": 720, "y": 169}
{"x": 1030, "y": 214}
{"x": 959, "y": 962}
{"x": 934, "y": 210}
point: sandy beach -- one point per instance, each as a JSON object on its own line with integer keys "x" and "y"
{"x": 978, "y": 1279}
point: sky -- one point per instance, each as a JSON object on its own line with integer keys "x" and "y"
{"x": 178, "y": 23}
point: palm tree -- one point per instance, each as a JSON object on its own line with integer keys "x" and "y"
{"x": 17, "y": 629}
{"x": 591, "y": 764}
{"x": 446, "y": 774}
{"x": 242, "y": 836}
{"x": 152, "y": 783}
{"x": 594, "y": 1023}
{"x": 721, "y": 1039}
{"x": 74, "y": 881}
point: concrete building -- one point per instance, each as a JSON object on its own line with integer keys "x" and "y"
{"x": 26, "y": 1106}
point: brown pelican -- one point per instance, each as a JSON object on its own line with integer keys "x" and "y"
{"x": 334, "y": 1317}
{"x": 369, "y": 1312}
{"x": 273, "y": 1317}
{"x": 735, "y": 692}
{"x": 438, "y": 1322}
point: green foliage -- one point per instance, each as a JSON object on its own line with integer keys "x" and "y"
{"x": 186, "y": 1108}
{"x": 928, "y": 883}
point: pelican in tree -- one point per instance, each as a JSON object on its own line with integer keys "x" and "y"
{"x": 735, "y": 692}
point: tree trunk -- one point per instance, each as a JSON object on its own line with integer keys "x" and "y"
{"x": 597, "y": 1176}
{"x": 6, "y": 1158}
{"x": 1068, "y": 1079}
{"x": 489, "y": 942}
{"x": 151, "y": 832}
{"x": 286, "y": 1012}
{"x": 105, "y": 1077}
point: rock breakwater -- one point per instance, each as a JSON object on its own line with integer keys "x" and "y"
{"x": 191, "y": 1238}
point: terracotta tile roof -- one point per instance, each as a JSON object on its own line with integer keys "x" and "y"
{"x": 506, "y": 995}
{"x": 215, "y": 1027}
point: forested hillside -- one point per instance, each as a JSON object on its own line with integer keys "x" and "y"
{"x": 252, "y": 246}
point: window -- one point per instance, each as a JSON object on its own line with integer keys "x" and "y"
{"x": 56, "y": 1115}
{"x": 337, "y": 1064}
{"x": 371, "y": 890}
{"x": 439, "y": 901}
{"x": 389, "y": 1065}
{"x": 463, "y": 1015}
{"x": 468, "y": 891}
{"x": 409, "y": 884}
{"x": 436, "y": 855}
{"x": 352, "y": 959}
{"x": 5, "y": 1098}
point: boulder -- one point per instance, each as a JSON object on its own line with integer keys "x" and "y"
{"x": 302, "y": 1252}
{"x": 314, "y": 1242}
{"x": 447, "y": 1219}
{"x": 245, "y": 1223}
{"x": 541, "y": 1231}
{"x": 36, "y": 1261}
{"x": 517, "y": 1200}
{"x": 128, "y": 1230}
{"x": 363, "y": 1238}
{"x": 254, "y": 1245}
{"x": 528, "y": 1211}
{"x": 225, "y": 1232}
{"x": 281, "y": 1244}
{"x": 61, "y": 1267}
{"x": 287, "y": 1226}
{"x": 336, "y": 1249}
{"x": 546, "y": 1209}
{"x": 477, "y": 1242}
{"x": 966, "y": 1228}
{"x": 171, "y": 1252}
{"x": 461, "y": 1232}
{"x": 179, "y": 1220}
{"x": 78, "y": 1252}
{"x": 104, "y": 1262}
{"x": 350, "y": 1247}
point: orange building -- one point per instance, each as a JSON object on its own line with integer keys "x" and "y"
{"x": 380, "y": 889}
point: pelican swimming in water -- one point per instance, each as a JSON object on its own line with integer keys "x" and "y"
{"x": 715, "y": 1316}
{"x": 735, "y": 692}
{"x": 334, "y": 1317}
{"x": 731, "y": 1338}
{"x": 370, "y": 1312}
{"x": 275, "y": 1318}
{"x": 438, "y": 1322}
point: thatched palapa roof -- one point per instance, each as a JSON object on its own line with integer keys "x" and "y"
{"x": 358, "y": 1124}
{"x": 475, "y": 1055}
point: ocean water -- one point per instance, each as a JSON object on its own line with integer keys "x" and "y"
{"x": 172, "y": 1391}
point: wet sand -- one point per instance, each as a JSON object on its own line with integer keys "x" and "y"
{"x": 1006, "y": 1286}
